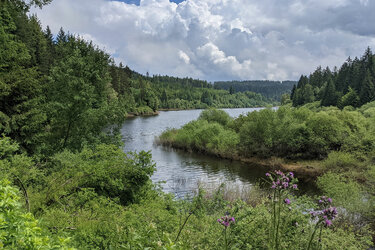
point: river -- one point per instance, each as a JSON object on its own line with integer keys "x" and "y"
{"x": 180, "y": 171}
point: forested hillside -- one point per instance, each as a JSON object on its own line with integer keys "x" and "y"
{"x": 65, "y": 182}
{"x": 351, "y": 85}
{"x": 270, "y": 89}
{"x": 168, "y": 92}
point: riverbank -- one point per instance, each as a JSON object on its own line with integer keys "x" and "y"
{"x": 299, "y": 140}
{"x": 306, "y": 170}
{"x": 134, "y": 114}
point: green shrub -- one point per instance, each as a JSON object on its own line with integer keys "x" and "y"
{"x": 215, "y": 115}
{"x": 19, "y": 230}
{"x": 341, "y": 161}
{"x": 345, "y": 193}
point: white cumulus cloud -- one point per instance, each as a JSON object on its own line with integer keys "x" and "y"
{"x": 221, "y": 39}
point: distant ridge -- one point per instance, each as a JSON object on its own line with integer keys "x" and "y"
{"x": 270, "y": 89}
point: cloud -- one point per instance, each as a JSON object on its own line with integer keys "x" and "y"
{"x": 221, "y": 39}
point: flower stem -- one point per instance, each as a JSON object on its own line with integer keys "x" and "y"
{"x": 278, "y": 221}
{"x": 320, "y": 236}
{"x": 312, "y": 236}
{"x": 274, "y": 218}
{"x": 225, "y": 236}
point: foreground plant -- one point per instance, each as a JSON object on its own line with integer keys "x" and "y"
{"x": 323, "y": 217}
{"x": 281, "y": 185}
{"x": 226, "y": 222}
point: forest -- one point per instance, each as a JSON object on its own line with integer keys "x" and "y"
{"x": 65, "y": 182}
{"x": 270, "y": 89}
{"x": 140, "y": 93}
{"x": 351, "y": 85}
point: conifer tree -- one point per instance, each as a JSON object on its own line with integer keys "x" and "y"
{"x": 329, "y": 97}
{"x": 367, "y": 93}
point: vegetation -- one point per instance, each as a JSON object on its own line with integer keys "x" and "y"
{"x": 66, "y": 184}
{"x": 351, "y": 85}
{"x": 343, "y": 141}
{"x": 289, "y": 133}
{"x": 167, "y": 92}
{"x": 270, "y": 89}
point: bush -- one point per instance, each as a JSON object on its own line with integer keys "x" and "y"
{"x": 19, "y": 230}
{"x": 215, "y": 115}
{"x": 345, "y": 193}
{"x": 341, "y": 161}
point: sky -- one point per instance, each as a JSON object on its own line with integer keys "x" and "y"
{"x": 221, "y": 39}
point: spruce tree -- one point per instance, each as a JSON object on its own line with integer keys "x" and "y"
{"x": 329, "y": 97}
{"x": 367, "y": 93}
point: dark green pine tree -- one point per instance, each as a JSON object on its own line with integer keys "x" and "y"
{"x": 231, "y": 90}
{"x": 50, "y": 46}
{"x": 307, "y": 94}
{"x": 303, "y": 80}
{"x": 349, "y": 99}
{"x": 329, "y": 97}
{"x": 20, "y": 89}
{"x": 164, "y": 99}
{"x": 367, "y": 93}
{"x": 368, "y": 60}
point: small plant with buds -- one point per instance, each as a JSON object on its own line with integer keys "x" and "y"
{"x": 226, "y": 221}
{"x": 281, "y": 184}
{"x": 323, "y": 217}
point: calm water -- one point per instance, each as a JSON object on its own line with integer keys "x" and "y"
{"x": 182, "y": 171}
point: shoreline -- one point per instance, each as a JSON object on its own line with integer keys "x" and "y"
{"x": 133, "y": 114}
{"x": 157, "y": 112}
{"x": 177, "y": 109}
{"x": 306, "y": 170}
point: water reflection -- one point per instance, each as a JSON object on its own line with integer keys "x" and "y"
{"x": 182, "y": 171}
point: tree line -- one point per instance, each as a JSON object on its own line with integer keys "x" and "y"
{"x": 270, "y": 89}
{"x": 60, "y": 91}
{"x": 351, "y": 85}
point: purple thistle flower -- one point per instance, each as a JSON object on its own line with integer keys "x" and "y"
{"x": 295, "y": 186}
{"x": 287, "y": 201}
{"x": 291, "y": 174}
{"x": 327, "y": 223}
{"x": 285, "y": 184}
{"x": 278, "y": 172}
{"x": 226, "y": 220}
{"x": 329, "y": 200}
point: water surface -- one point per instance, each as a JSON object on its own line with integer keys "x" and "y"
{"x": 182, "y": 171}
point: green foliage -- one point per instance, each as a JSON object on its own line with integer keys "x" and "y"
{"x": 341, "y": 161}
{"x": 352, "y": 85}
{"x": 19, "y": 230}
{"x": 346, "y": 193}
{"x": 215, "y": 115}
{"x": 287, "y": 132}
{"x": 270, "y": 89}
{"x": 349, "y": 99}
{"x": 204, "y": 136}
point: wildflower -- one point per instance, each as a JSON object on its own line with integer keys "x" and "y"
{"x": 327, "y": 223}
{"x": 268, "y": 174}
{"x": 287, "y": 201}
{"x": 291, "y": 174}
{"x": 226, "y": 220}
{"x": 278, "y": 172}
{"x": 294, "y": 186}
